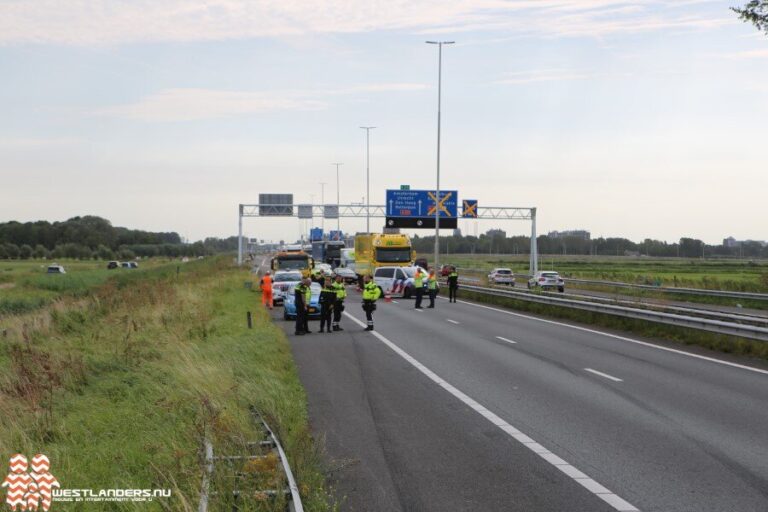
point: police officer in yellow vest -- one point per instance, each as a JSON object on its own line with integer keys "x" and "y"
{"x": 418, "y": 287}
{"x": 341, "y": 294}
{"x": 432, "y": 288}
{"x": 371, "y": 293}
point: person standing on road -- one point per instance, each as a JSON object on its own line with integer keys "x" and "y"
{"x": 371, "y": 293}
{"x": 338, "y": 309}
{"x": 266, "y": 290}
{"x": 418, "y": 285}
{"x": 302, "y": 307}
{"x": 432, "y": 288}
{"x": 327, "y": 304}
{"x": 453, "y": 284}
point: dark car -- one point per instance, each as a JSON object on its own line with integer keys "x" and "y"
{"x": 113, "y": 264}
{"x": 421, "y": 262}
{"x": 445, "y": 270}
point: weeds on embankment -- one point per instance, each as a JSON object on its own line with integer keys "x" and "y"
{"x": 713, "y": 341}
{"x": 120, "y": 386}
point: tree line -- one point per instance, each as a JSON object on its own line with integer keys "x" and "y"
{"x": 92, "y": 237}
{"x": 497, "y": 243}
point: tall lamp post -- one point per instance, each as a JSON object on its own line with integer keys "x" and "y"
{"x": 437, "y": 192}
{"x": 368, "y": 177}
{"x": 322, "y": 205}
{"x": 338, "y": 218}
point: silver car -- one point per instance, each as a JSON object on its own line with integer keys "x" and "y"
{"x": 547, "y": 279}
{"x": 282, "y": 282}
{"x": 502, "y": 276}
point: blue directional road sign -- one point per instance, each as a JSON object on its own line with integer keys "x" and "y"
{"x": 416, "y": 208}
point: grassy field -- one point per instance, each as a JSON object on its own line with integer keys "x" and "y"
{"x": 119, "y": 386}
{"x": 714, "y": 274}
{"x": 24, "y": 285}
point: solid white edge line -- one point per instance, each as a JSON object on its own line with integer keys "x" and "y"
{"x": 591, "y": 485}
{"x": 452, "y": 321}
{"x": 505, "y": 339}
{"x": 611, "y": 377}
{"x": 623, "y": 338}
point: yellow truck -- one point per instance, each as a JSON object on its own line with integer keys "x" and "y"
{"x": 373, "y": 250}
{"x": 300, "y": 261}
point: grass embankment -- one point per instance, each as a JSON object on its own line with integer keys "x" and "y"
{"x": 120, "y": 387}
{"x": 25, "y": 287}
{"x": 713, "y": 341}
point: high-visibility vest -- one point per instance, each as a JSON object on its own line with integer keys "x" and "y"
{"x": 371, "y": 291}
{"x": 341, "y": 291}
{"x": 418, "y": 280}
{"x": 432, "y": 282}
{"x": 266, "y": 283}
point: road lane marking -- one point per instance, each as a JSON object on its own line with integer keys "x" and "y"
{"x": 419, "y": 310}
{"x": 623, "y": 338}
{"x": 588, "y": 483}
{"x": 452, "y": 321}
{"x": 611, "y": 377}
{"x": 394, "y": 301}
{"x": 505, "y": 339}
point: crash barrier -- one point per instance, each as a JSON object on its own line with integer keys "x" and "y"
{"x": 678, "y": 320}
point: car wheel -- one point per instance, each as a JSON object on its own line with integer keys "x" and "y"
{"x": 407, "y": 293}
{"x": 529, "y": 286}
{"x": 561, "y": 289}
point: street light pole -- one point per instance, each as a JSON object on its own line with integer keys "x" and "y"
{"x": 368, "y": 177}
{"x": 338, "y": 218}
{"x": 322, "y": 205}
{"x": 437, "y": 191}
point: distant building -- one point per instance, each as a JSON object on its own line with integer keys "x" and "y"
{"x": 496, "y": 233}
{"x": 731, "y": 242}
{"x": 457, "y": 232}
{"x": 573, "y": 233}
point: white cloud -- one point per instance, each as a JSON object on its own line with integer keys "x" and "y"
{"x": 542, "y": 75}
{"x": 744, "y": 55}
{"x": 88, "y": 22}
{"x": 188, "y": 104}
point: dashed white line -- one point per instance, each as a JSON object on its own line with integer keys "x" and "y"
{"x": 505, "y": 339}
{"x": 452, "y": 321}
{"x": 591, "y": 485}
{"x": 395, "y": 302}
{"x": 623, "y": 338}
{"x": 611, "y": 377}
{"x": 418, "y": 310}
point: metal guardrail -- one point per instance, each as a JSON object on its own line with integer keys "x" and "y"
{"x": 667, "y": 289}
{"x": 704, "y": 324}
{"x": 662, "y": 289}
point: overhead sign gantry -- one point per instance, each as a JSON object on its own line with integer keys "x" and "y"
{"x": 471, "y": 210}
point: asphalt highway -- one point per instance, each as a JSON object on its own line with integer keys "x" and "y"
{"x": 469, "y": 407}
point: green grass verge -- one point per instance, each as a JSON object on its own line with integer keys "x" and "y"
{"x": 120, "y": 387}
{"x": 25, "y": 287}
{"x": 713, "y": 341}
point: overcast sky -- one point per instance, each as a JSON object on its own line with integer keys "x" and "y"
{"x": 626, "y": 118}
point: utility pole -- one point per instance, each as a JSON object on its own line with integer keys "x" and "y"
{"x": 368, "y": 177}
{"x": 322, "y": 205}
{"x": 437, "y": 191}
{"x": 338, "y": 218}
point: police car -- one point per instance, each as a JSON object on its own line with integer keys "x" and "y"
{"x": 398, "y": 281}
{"x": 289, "y": 302}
